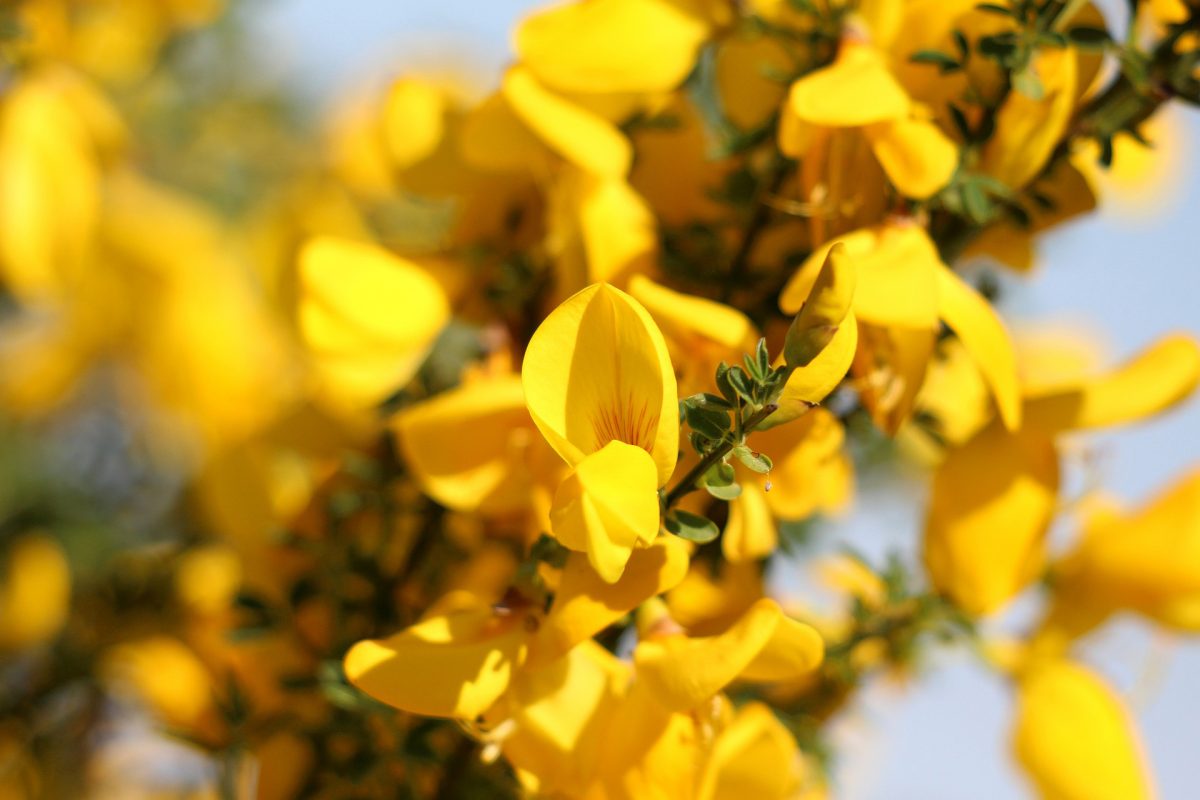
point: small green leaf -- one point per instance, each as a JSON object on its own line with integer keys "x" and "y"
{"x": 731, "y": 492}
{"x": 978, "y": 207}
{"x": 741, "y": 384}
{"x": 720, "y": 474}
{"x": 763, "y": 358}
{"x": 759, "y": 462}
{"x": 724, "y": 384}
{"x": 692, "y": 527}
{"x": 711, "y": 422}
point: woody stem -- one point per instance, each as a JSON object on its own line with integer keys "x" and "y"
{"x": 687, "y": 484}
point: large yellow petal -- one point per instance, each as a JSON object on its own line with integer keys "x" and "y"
{"x": 463, "y": 446}
{"x": 452, "y": 665}
{"x": 1028, "y": 129}
{"x": 683, "y": 315}
{"x": 896, "y": 285}
{"x": 750, "y": 532}
{"x": 684, "y": 672}
{"x": 494, "y": 138}
{"x": 597, "y": 370}
{"x": 570, "y": 47}
{"x": 918, "y": 158}
{"x": 755, "y": 756}
{"x": 983, "y": 334}
{"x": 619, "y": 230}
{"x": 370, "y": 317}
{"x": 811, "y": 472}
{"x": 992, "y": 501}
{"x": 1074, "y": 738}
{"x": 889, "y": 370}
{"x": 35, "y": 592}
{"x": 413, "y": 120}
{"x": 856, "y": 89}
{"x": 1158, "y": 378}
{"x": 586, "y": 604}
{"x": 607, "y": 505}
{"x": 578, "y": 135}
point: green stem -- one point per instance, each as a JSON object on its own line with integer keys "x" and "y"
{"x": 687, "y": 484}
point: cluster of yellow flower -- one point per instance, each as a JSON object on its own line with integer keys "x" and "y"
{"x": 495, "y": 410}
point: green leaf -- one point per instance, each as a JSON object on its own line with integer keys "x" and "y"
{"x": 944, "y": 62}
{"x": 711, "y": 422}
{"x": 978, "y": 207}
{"x": 731, "y": 492}
{"x": 720, "y": 474}
{"x": 741, "y": 384}
{"x": 1087, "y": 37}
{"x": 724, "y": 384}
{"x": 759, "y": 462}
{"x": 714, "y": 401}
{"x": 692, "y": 527}
{"x": 763, "y": 358}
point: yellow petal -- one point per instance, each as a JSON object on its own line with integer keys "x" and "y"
{"x": 464, "y": 446}
{"x": 1074, "y": 738}
{"x": 571, "y": 47}
{"x": 607, "y": 505}
{"x": 809, "y": 385}
{"x": 750, "y": 533}
{"x": 824, "y": 309}
{"x": 494, "y": 138}
{"x": 811, "y": 473}
{"x": 597, "y": 370}
{"x": 749, "y": 92}
{"x": 896, "y": 286}
{"x": 856, "y": 89}
{"x": 684, "y": 672}
{"x": 683, "y": 316}
{"x": 585, "y": 139}
{"x": 991, "y": 503}
{"x": 586, "y": 604}
{"x": 35, "y": 594}
{"x": 755, "y": 756}
{"x": 889, "y": 370}
{"x": 793, "y": 651}
{"x": 413, "y": 122}
{"x": 1158, "y": 378}
{"x": 369, "y": 316}
{"x": 918, "y": 158}
{"x": 619, "y": 231}
{"x": 1028, "y": 129}
{"x": 452, "y": 665}
{"x": 562, "y": 713}
{"x": 983, "y": 334}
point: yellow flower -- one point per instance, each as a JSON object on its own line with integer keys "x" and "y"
{"x": 475, "y": 448}
{"x": 460, "y": 659}
{"x": 1074, "y": 738}
{"x": 903, "y": 291}
{"x": 368, "y": 318}
{"x": 993, "y": 498}
{"x": 35, "y": 592}
{"x": 1145, "y": 562}
{"x": 570, "y": 47}
{"x": 753, "y": 756}
{"x": 600, "y": 387}
{"x": 764, "y": 645}
{"x": 858, "y": 90}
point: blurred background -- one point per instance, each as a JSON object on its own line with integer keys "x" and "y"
{"x": 1129, "y": 273}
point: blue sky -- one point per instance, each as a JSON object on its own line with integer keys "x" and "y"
{"x": 1132, "y": 279}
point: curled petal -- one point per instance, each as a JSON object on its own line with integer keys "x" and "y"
{"x": 856, "y": 89}
{"x": 607, "y": 505}
{"x": 1158, "y": 378}
{"x": 452, "y": 665}
{"x": 918, "y": 158}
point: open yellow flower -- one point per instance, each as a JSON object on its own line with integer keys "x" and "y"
{"x": 858, "y": 90}
{"x": 1144, "y": 562}
{"x": 600, "y": 387}
{"x": 994, "y": 498}
{"x": 903, "y": 292}
{"x": 464, "y": 654}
